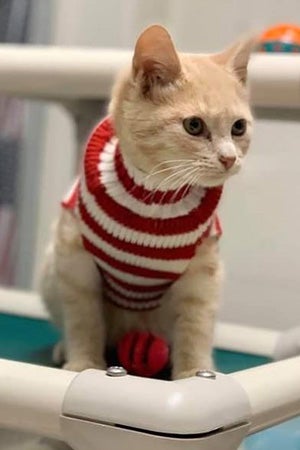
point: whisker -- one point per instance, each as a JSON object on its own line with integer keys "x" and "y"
{"x": 188, "y": 182}
{"x": 170, "y": 161}
{"x": 165, "y": 170}
{"x": 173, "y": 175}
{"x": 185, "y": 182}
{"x": 119, "y": 193}
{"x": 196, "y": 176}
{"x": 190, "y": 179}
{"x": 177, "y": 174}
{"x": 186, "y": 179}
{"x": 166, "y": 181}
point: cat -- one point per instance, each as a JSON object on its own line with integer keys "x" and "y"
{"x": 136, "y": 243}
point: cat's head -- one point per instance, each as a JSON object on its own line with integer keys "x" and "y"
{"x": 183, "y": 118}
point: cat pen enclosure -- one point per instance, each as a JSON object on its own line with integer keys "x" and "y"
{"x": 203, "y": 412}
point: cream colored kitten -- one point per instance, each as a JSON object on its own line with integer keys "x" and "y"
{"x": 181, "y": 120}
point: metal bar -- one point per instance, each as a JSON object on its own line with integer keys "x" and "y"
{"x": 22, "y": 303}
{"x": 282, "y": 114}
{"x": 273, "y": 391}
{"x": 242, "y": 338}
{"x": 58, "y": 73}
{"x": 31, "y": 397}
{"x": 275, "y": 80}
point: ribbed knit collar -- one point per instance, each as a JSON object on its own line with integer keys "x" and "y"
{"x": 135, "y": 183}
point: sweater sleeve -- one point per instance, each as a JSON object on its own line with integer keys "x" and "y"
{"x": 69, "y": 201}
{"x": 216, "y": 228}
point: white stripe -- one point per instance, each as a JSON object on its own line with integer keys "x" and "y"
{"x": 167, "y": 265}
{"x": 128, "y": 277}
{"x": 137, "y": 295}
{"x": 137, "y": 237}
{"x": 119, "y": 194}
{"x": 133, "y": 305}
{"x": 139, "y": 176}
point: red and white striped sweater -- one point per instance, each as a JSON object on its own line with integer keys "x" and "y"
{"x": 141, "y": 241}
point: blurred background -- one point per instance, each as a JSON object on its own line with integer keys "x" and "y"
{"x": 39, "y": 151}
{"x": 261, "y": 211}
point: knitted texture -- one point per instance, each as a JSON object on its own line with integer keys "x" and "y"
{"x": 141, "y": 239}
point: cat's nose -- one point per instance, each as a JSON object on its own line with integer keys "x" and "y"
{"x": 227, "y": 161}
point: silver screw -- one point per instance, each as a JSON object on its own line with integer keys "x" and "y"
{"x": 116, "y": 371}
{"x": 209, "y": 374}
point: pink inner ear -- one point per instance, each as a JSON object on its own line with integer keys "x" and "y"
{"x": 155, "y": 56}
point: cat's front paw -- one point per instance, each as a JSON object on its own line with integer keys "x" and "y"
{"x": 79, "y": 365}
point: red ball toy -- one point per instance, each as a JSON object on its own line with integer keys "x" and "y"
{"x": 142, "y": 353}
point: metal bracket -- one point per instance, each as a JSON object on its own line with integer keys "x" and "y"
{"x": 200, "y": 412}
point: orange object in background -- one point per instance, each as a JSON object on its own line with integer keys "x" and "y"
{"x": 280, "y": 38}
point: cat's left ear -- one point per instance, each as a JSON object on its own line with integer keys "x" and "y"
{"x": 236, "y": 58}
{"x": 155, "y": 59}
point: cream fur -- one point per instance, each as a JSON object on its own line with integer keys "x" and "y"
{"x": 148, "y": 108}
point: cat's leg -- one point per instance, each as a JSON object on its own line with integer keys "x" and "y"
{"x": 71, "y": 289}
{"x": 196, "y": 297}
{"x": 84, "y": 331}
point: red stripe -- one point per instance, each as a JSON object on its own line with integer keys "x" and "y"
{"x": 183, "y": 252}
{"x": 127, "y": 268}
{"x": 131, "y": 307}
{"x": 204, "y": 235}
{"x": 135, "y": 287}
{"x": 124, "y": 216}
{"x": 165, "y": 227}
{"x": 109, "y": 288}
{"x": 140, "y": 193}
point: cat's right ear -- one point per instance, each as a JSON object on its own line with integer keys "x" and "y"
{"x": 155, "y": 60}
{"x": 236, "y": 58}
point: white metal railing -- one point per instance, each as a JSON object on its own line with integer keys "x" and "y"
{"x": 31, "y": 397}
{"x": 273, "y": 392}
{"x": 82, "y": 73}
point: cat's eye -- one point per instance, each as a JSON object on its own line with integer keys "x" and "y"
{"x": 194, "y": 125}
{"x": 239, "y": 127}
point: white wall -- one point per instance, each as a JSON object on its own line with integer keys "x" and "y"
{"x": 113, "y": 23}
{"x": 261, "y": 219}
{"x": 261, "y": 212}
{"x": 34, "y": 127}
{"x": 210, "y": 24}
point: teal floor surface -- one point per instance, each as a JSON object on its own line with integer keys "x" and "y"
{"x": 31, "y": 340}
